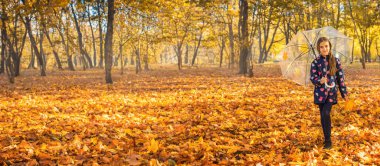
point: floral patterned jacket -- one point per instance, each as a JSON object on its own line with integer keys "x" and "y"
{"x": 322, "y": 94}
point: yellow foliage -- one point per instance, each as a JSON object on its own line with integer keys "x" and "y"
{"x": 349, "y": 105}
{"x": 153, "y": 146}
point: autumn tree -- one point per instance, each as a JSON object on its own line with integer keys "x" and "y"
{"x": 243, "y": 30}
{"x": 365, "y": 17}
{"x": 109, "y": 38}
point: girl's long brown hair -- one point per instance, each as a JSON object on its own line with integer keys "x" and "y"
{"x": 332, "y": 61}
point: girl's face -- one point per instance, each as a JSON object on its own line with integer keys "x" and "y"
{"x": 324, "y": 48}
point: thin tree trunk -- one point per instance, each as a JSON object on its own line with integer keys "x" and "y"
{"x": 138, "y": 62}
{"x": 3, "y": 40}
{"x": 121, "y": 56}
{"x": 146, "y": 67}
{"x": 100, "y": 35}
{"x": 221, "y": 52}
{"x": 231, "y": 41}
{"x": 196, "y": 49}
{"x": 11, "y": 59}
{"x": 179, "y": 55}
{"x": 132, "y": 58}
{"x": 17, "y": 56}
{"x": 186, "y": 55}
{"x": 34, "y": 45}
{"x": 69, "y": 57}
{"x": 32, "y": 58}
{"x": 8, "y": 61}
{"x": 57, "y": 60}
{"x": 83, "y": 52}
{"x": 41, "y": 47}
{"x": 108, "y": 44}
{"x": 93, "y": 36}
{"x": 9, "y": 69}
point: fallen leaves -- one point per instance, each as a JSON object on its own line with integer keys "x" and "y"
{"x": 194, "y": 117}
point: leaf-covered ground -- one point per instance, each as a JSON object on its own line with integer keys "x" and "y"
{"x": 193, "y": 116}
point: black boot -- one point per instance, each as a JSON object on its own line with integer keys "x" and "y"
{"x": 328, "y": 145}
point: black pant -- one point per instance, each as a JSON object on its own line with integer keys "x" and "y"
{"x": 325, "y": 110}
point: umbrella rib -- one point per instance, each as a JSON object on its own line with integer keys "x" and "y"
{"x": 342, "y": 54}
{"x": 316, "y": 38}
{"x": 340, "y": 37}
{"x": 310, "y": 45}
{"x": 299, "y": 56}
{"x": 296, "y": 45}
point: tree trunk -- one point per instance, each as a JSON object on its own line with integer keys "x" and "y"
{"x": 221, "y": 52}
{"x": 186, "y": 55}
{"x": 32, "y": 58}
{"x": 3, "y": 40}
{"x": 83, "y": 52}
{"x": 138, "y": 62}
{"x": 57, "y": 60}
{"x": 146, "y": 67}
{"x": 9, "y": 69}
{"x": 108, "y": 44}
{"x": 100, "y": 35}
{"x": 132, "y": 58}
{"x": 121, "y": 56}
{"x": 34, "y": 45}
{"x": 66, "y": 47}
{"x": 93, "y": 37}
{"x": 179, "y": 55}
{"x": 244, "y": 37}
{"x": 18, "y": 55}
{"x": 10, "y": 64}
{"x": 231, "y": 40}
{"x": 196, "y": 49}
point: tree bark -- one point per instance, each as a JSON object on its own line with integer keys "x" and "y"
{"x": 244, "y": 37}
{"x": 108, "y": 44}
{"x": 121, "y": 56}
{"x": 93, "y": 37}
{"x": 179, "y": 55}
{"x": 138, "y": 62}
{"x": 146, "y": 66}
{"x": 100, "y": 35}
{"x": 3, "y": 40}
{"x": 32, "y": 58}
{"x": 34, "y": 45}
{"x": 9, "y": 69}
{"x": 196, "y": 49}
{"x": 18, "y": 55}
{"x": 83, "y": 52}
{"x": 57, "y": 60}
{"x": 231, "y": 41}
{"x": 186, "y": 55}
{"x": 221, "y": 52}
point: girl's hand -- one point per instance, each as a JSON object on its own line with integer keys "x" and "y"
{"x": 345, "y": 98}
{"x": 323, "y": 80}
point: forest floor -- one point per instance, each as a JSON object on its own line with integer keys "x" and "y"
{"x": 197, "y": 116}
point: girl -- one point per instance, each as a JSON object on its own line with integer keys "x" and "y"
{"x": 326, "y": 74}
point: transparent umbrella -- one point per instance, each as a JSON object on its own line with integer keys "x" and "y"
{"x": 298, "y": 54}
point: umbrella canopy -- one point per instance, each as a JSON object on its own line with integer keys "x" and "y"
{"x": 298, "y": 54}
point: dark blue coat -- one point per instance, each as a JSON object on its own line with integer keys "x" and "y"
{"x": 320, "y": 68}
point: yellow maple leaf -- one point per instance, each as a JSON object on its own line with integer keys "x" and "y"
{"x": 349, "y": 105}
{"x": 153, "y": 146}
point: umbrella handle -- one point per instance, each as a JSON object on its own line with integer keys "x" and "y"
{"x": 330, "y": 86}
